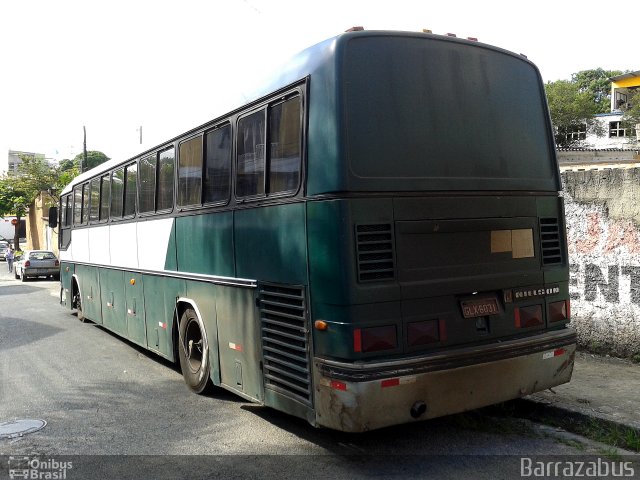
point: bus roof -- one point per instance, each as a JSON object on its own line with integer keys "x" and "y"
{"x": 303, "y": 64}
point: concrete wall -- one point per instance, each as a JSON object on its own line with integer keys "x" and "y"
{"x": 39, "y": 235}
{"x": 603, "y": 229}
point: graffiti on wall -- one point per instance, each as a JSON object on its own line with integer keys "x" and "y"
{"x": 605, "y": 257}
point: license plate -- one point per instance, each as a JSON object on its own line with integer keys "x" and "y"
{"x": 479, "y": 307}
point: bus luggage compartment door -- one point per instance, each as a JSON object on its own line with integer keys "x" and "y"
{"x": 239, "y": 341}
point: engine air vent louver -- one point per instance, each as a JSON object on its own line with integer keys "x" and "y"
{"x": 285, "y": 343}
{"x": 374, "y": 248}
{"x": 550, "y": 241}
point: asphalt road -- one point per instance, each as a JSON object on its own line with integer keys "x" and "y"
{"x": 103, "y": 397}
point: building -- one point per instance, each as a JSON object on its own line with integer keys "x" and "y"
{"x": 615, "y": 135}
{"x": 15, "y": 158}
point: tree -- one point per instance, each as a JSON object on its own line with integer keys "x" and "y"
{"x": 631, "y": 112}
{"x": 94, "y": 158}
{"x": 573, "y": 104}
{"x": 571, "y": 112}
{"x": 597, "y": 84}
{"x": 34, "y": 175}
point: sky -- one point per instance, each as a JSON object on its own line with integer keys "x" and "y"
{"x": 168, "y": 66}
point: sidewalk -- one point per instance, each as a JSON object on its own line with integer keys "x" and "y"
{"x": 602, "y": 388}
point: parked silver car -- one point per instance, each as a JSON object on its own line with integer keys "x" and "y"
{"x": 37, "y": 263}
{"x": 4, "y": 246}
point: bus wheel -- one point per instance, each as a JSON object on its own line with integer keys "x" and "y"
{"x": 193, "y": 352}
{"x": 77, "y": 303}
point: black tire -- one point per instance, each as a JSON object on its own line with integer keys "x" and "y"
{"x": 15, "y": 274}
{"x": 23, "y": 277}
{"x": 77, "y": 303}
{"x": 193, "y": 352}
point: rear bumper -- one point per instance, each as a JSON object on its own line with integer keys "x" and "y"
{"x": 41, "y": 272}
{"x": 360, "y": 397}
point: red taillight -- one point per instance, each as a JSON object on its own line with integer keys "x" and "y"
{"x": 559, "y": 311}
{"x": 525, "y": 317}
{"x": 374, "y": 339}
{"x": 57, "y": 264}
{"x": 421, "y": 333}
{"x": 27, "y": 263}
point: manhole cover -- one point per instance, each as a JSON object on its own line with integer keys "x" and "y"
{"x": 17, "y": 428}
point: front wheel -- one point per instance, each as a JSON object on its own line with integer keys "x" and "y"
{"x": 193, "y": 351}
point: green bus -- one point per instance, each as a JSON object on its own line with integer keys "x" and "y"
{"x": 378, "y": 238}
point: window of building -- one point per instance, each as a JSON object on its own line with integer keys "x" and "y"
{"x": 217, "y": 165}
{"x": 574, "y": 133}
{"x": 190, "y": 172}
{"x": 147, "y": 194}
{"x": 166, "y": 161}
{"x": 117, "y": 192}
{"x": 616, "y": 130}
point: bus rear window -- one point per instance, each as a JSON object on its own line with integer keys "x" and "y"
{"x": 451, "y": 115}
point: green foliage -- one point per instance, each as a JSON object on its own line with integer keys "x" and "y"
{"x": 597, "y": 84}
{"x": 94, "y": 158}
{"x": 573, "y": 103}
{"x": 570, "y": 110}
{"x": 631, "y": 114}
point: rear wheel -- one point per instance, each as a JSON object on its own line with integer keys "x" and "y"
{"x": 23, "y": 277}
{"x": 77, "y": 303}
{"x": 193, "y": 352}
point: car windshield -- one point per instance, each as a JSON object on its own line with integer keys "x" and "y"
{"x": 41, "y": 256}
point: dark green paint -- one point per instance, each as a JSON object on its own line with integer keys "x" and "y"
{"x": 270, "y": 244}
{"x": 135, "y": 308}
{"x": 114, "y": 311}
{"x": 205, "y": 296}
{"x": 205, "y": 244}
{"x": 90, "y": 289}
{"x": 161, "y": 294}
{"x": 239, "y": 327}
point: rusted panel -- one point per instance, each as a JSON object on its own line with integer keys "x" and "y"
{"x": 362, "y": 406}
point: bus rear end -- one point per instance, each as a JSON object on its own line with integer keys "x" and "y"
{"x": 439, "y": 270}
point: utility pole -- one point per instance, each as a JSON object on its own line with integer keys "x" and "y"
{"x": 83, "y": 165}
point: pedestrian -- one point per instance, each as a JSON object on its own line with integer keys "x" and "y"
{"x": 9, "y": 257}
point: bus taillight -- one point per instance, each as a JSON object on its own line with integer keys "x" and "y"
{"x": 559, "y": 311}
{"x": 530, "y": 316}
{"x": 374, "y": 339}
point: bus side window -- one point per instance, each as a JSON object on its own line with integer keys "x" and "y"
{"x": 77, "y": 205}
{"x": 190, "y": 172}
{"x": 165, "y": 180}
{"x": 117, "y": 192}
{"x": 130, "y": 190}
{"x": 285, "y": 141}
{"x": 94, "y": 194}
{"x": 147, "y": 193}
{"x": 105, "y": 195}
{"x": 217, "y": 169}
{"x": 85, "y": 203}
{"x": 251, "y": 155}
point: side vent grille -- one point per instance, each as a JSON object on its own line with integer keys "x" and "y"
{"x": 374, "y": 247}
{"x": 285, "y": 343}
{"x": 550, "y": 241}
